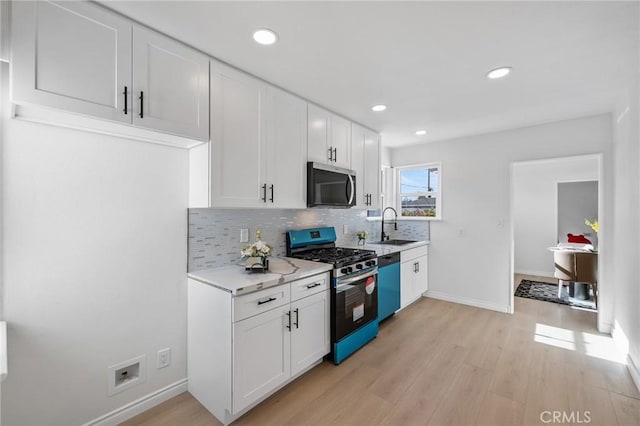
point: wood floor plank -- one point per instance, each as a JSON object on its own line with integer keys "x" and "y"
{"x": 547, "y": 386}
{"x": 432, "y": 382}
{"x": 497, "y": 410}
{"x": 627, "y": 409}
{"x": 593, "y": 402}
{"x": 511, "y": 377}
{"x": 330, "y": 404}
{"x": 463, "y": 400}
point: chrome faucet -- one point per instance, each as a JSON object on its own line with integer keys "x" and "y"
{"x": 395, "y": 223}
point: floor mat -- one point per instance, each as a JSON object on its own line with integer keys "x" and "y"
{"x": 549, "y": 293}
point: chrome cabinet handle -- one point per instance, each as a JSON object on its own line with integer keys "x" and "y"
{"x": 330, "y": 154}
{"x": 264, "y": 193}
{"x": 297, "y": 317}
{"x": 262, "y": 302}
{"x": 335, "y": 154}
{"x": 289, "y": 318}
{"x": 271, "y": 199}
{"x": 141, "y": 104}
{"x": 309, "y": 286}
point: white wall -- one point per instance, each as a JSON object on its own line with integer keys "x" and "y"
{"x": 94, "y": 257}
{"x": 577, "y": 202}
{"x": 469, "y": 255}
{"x": 626, "y": 229}
{"x": 535, "y": 208}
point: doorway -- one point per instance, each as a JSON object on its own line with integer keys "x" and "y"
{"x": 550, "y": 199}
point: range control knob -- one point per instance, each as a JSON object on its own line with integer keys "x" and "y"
{"x": 349, "y": 269}
{"x": 343, "y": 270}
{"x": 370, "y": 263}
{"x": 359, "y": 266}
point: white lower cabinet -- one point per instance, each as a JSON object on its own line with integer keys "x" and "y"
{"x": 413, "y": 275}
{"x": 242, "y": 349}
{"x": 261, "y": 356}
{"x": 310, "y": 331}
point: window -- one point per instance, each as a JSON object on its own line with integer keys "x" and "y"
{"x": 419, "y": 193}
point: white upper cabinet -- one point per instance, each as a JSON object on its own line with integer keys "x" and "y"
{"x": 329, "y": 138}
{"x": 357, "y": 164}
{"x": 81, "y": 58}
{"x": 341, "y": 141}
{"x": 171, "y": 83}
{"x": 365, "y": 160}
{"x": 258, "y": 144}
{"x": 286, "y": 150}
{"x": 372, "y": 168}
{"x": 318, "y": 142}
{"x": 237, "y": 138}
{"x": 72, "y": 56}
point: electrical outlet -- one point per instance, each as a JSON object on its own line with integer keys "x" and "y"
{"x": 164, "y": 358}
{"x": 345, "y": 229}
{"x": 244, "y": 235}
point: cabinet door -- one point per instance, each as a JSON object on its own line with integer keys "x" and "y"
{"x": 357, "y": 164}
{"x": 237, "y": 160}
{"x": 72, "y": 56}
{"x": 407, "y": 283}
{"x": 261, "y": 354}
{"x": 319, "y": 134}
{"x": 171, "y": 83}
{"x": 372, "y": 168}
{"x": 310, "y": 331}
{"x": 421, "y": 276}
{"x": 286, "y": 150}
{"x": 341, "y": 141}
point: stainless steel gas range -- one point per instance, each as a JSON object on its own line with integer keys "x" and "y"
{"x": 354, "y": 287}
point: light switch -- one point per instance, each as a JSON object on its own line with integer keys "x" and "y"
{"x": 244, "y": 235}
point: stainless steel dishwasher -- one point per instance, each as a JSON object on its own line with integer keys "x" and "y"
{"x": 388, "y": 285}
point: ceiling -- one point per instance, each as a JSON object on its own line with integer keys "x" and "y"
{"x": 426, "y": 60}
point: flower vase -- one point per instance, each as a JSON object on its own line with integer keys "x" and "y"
{"x": 257, "y": 264}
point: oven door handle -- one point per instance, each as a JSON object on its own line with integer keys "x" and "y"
{"x": 352, "y": 278}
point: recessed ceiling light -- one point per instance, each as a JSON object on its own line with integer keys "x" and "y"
{"x": 378, "y": 108}
{"x": 421, "y": 132}
{"x": 265, "y": 36}
{"x": 498, "y": 72}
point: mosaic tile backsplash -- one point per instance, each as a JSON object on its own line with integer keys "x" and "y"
{"x": 214, "y": 234}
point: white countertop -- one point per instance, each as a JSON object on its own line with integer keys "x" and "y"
{"x": 237, "y": 281}
{"x": 383, "y": 249}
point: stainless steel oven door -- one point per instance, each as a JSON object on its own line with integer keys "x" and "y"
{"x": 356, "y": 301}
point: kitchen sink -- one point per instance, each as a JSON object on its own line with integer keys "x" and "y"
{"x": 395, "y": 242}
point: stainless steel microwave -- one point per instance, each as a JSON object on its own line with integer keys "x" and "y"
{"x": 330, "y": 186}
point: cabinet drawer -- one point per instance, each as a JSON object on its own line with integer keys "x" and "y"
{"x": 252, "y": 304}
{"x": 413, "y": 253}
{"x": 308, "y": 286}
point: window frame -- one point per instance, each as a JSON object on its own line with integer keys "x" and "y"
{"x": 438, "y": 193}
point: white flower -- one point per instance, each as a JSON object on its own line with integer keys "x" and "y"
{"x": 258, "y": 248}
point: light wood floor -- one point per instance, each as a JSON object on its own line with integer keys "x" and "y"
{"x": 440, "y": 363}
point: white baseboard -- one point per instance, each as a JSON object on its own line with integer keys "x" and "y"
{"x": 466, "y": 301}
{"x": 143, "y": 404}
{"x": 634, "y": 371}
{"x": 548, "y": 274}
